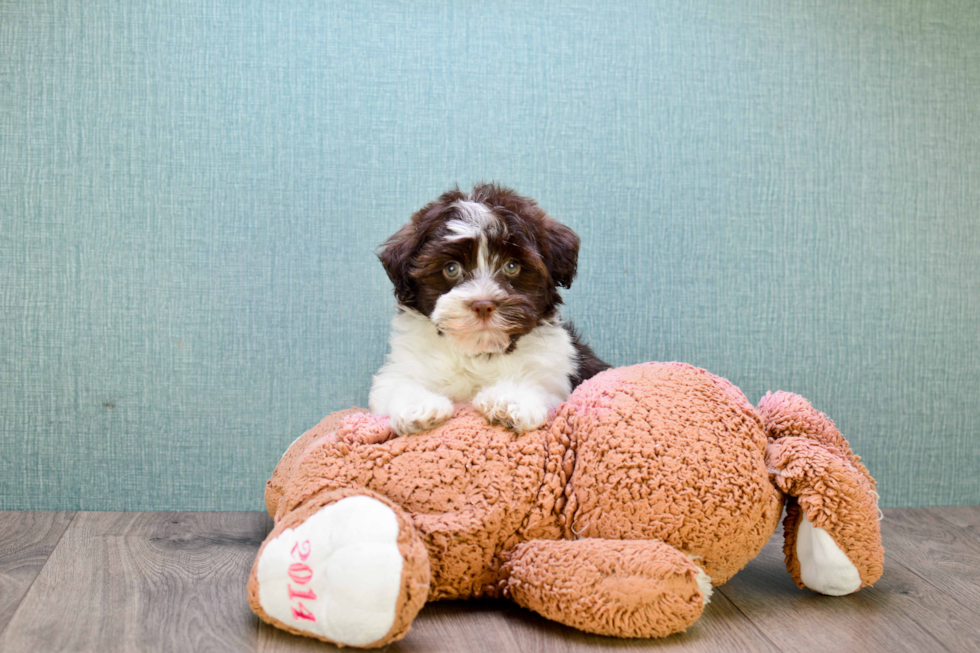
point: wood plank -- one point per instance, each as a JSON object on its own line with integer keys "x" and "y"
{"x": 962, "y": 516}
{"x": 720, "y": 628}
{"x": 143, "y": 581}
{"x": 465, "y": 626}
{"x": 26, "y": 541}
{"x": 472, "y": 626}
{"x": 176, "y": 581}
{"x": 901, "y": 612}
{"x": 501, "y": 626}
{"x": 441, "y": 627}
{"x": 941, "y": 554}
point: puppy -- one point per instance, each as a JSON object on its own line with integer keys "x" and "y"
{"x": 476, "y": 278}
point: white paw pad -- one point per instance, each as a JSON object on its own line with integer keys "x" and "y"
{"x": 824, "y": 567}
{"x": 336, "y": 575}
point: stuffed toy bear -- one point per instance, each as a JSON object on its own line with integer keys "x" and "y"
{"x": 648, "y": 486}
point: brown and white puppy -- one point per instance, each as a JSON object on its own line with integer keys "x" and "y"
{"x": 476, "y": 277}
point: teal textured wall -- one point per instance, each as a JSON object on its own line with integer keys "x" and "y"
{"x": 785, "y": 192}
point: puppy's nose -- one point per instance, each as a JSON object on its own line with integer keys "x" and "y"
{"x": 483, "y": 308}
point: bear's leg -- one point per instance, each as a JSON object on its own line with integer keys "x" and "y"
{"x": 346, "y": 567}
{"x": 623, "y": 588}
{"x": 325, "y": 430}
{"x": 832, "y": 535}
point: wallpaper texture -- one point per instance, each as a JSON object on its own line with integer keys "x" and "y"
{"x": 786, "y": 192}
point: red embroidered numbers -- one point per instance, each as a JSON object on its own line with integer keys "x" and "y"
{"x": 300, "y": 574}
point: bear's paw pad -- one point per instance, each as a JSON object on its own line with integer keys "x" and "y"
{"x": 824, "y": 567}
{"x": 337, "y": 575}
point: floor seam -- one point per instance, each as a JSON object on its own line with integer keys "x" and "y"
{"x": 937, "y": 588}
{"x": 754, "y": 625}
{"x": 40, "y": 571}
{"x": 958, "y": 527}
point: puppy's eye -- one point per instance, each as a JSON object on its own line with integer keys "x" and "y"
{"x": 452, "y": 270}
{"x": 511, "y": 268}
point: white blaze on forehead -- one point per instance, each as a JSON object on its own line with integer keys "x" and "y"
{"x": 475, "y": 221}
{"x": 460, "y": 230}
{"x": 478, "y": 215}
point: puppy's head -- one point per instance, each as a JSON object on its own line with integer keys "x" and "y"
{"x": 484, "y": 267}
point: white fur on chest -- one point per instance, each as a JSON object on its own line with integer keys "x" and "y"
{"x": 544, "y": 357}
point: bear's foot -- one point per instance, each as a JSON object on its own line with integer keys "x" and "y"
{"x": 349, "y": 570}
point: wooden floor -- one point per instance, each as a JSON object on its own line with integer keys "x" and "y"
{"x": 176, "y": 582}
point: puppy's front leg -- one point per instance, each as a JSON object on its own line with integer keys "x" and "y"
{"x": 516, "y": 405}
{"x": 410, "y": 407}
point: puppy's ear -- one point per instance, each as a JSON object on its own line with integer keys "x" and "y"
{"x": 397, "y": 256}
{"x": 560, "y": 250}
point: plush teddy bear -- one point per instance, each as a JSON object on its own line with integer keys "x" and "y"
{"x": 648, "y": 486}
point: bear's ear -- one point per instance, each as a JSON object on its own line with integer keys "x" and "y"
{"x": 397, "y": 256}
{"x": 560, "y": 250}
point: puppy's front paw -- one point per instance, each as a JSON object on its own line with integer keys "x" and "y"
{"x": 511, "y": 408}
{"x": 421, "y": 414}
